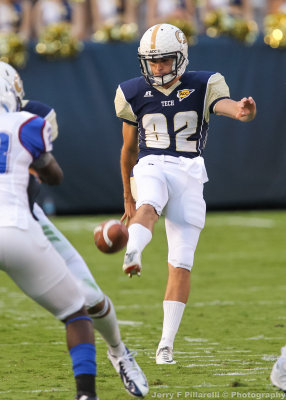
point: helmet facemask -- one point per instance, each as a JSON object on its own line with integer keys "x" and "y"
{"x": 153, "y": 80}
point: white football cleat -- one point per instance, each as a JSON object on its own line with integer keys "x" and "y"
{"x": 131, "y": 374}
{"x": 164, "y": 355}
{"x": 132, "y": 263}
{"x": 278, "y": 374}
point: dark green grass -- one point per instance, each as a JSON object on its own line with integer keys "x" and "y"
{"x": 232, "y": 328}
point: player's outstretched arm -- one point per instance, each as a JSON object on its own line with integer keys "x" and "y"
{"x": 243, "y": 110}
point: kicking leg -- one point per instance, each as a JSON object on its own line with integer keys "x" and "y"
{"x": 140, "y": 234}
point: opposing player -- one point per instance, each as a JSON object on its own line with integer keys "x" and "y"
{"x": 100, "y": 307}
{"x": 278, "y": 373}
{"x": 25, "y": 253}
{"x": 169, "y": 109}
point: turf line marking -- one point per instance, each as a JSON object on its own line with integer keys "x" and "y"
{"x": 35, "y": 391}
{"x": 188, "y": 339}
{"x": 130, "y": 323}
{"x": 262, "y": 337}
{"x": 240, "y": 373}
{"x": 202, "y": 365}
{"x": 247, "y": 222}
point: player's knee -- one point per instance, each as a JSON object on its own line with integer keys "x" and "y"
{"x": 182, "y": 257}
{"x": 100, "y": 309}
{"x": 148, "y": 212}
{"x": 80, "y": 313}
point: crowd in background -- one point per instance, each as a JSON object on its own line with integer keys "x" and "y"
{"x": 59, "y": 27}
{"x": 86, "y": 17}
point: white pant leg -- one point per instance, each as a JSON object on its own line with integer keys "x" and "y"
{"x": 151, "y": 184}
{"x": 73, "y": 259}
{"x": 185, "y": 216}
{"x": 33, "y": 264}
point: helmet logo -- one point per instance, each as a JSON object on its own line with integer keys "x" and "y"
{"x": 180, "y": 37}
{"x": 184, "y": 93}
{"x": 154, "y": 35}
{"x": 17, "y": 86}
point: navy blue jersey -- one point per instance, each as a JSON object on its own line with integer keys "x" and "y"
{"x": 36, "y": 107}
{"x": 172, "y": 122}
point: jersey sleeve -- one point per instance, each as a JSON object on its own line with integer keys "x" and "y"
{"x": 52, "y": 119}
{"x": 217, "y": 89}
{"x": 35, "y": 136}
{"x": 123, "y": 108}
{"x": 44, "y": 111}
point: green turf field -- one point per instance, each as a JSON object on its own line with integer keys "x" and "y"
{"x": 231, "y": 332}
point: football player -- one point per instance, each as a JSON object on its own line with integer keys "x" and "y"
{"x": 167, "y": 112}
{"x": 100, "y": 307}
{"x": 25, "y": 253}
{"x": 278, "y": 373}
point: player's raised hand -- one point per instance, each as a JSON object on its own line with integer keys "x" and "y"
{"x": 246, "y": 109}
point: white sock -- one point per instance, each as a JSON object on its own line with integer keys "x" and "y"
{"x": 108, "y": 327}
{"x": 173, "y": 312}
{"x": 139, "y": 237}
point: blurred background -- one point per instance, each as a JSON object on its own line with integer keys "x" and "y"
{"x": 73, "y": 54}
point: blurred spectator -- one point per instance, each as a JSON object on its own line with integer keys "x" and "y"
{"x": 114, "y": 20}
{"x": 238, "y": 8}
{"x": 276, "y": 6}
{"x": 15, "y": 17}
{"x": 50, "y": 12}
{"x": 158, "y": 11}
{"x": 259, "y": 9}
{"x": 80, "y": 28}
{"x": 111, "y": 12}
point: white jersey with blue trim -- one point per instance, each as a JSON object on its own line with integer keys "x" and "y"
{"x": 23, "y": 138}
{"x": 171, "y": 121}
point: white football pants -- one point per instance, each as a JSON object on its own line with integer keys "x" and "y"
{"x": 174, "y": 186}
{"x": 76, "y": 264}
{"x": 29, "y": 259}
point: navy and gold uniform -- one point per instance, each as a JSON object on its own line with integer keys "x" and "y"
{"x": 171, "y": 121}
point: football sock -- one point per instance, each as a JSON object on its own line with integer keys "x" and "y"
{"x": 85, "y": 385}
{"x": 173, "y": 312}
{"x": 107, "y": 326}
{"x": 139, "y": 237}
{"x": 83, "y": 359}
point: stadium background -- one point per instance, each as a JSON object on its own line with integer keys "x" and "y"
{"x": 246, "y": 163}
{"x": 234, "y": 325}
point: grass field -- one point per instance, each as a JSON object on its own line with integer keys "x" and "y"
{"x": 231, "y": 332}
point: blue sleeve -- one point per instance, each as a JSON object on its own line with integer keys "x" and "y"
{"x": 129, "y": 122}
{"x": 31, "y": 136}
{"x": 38, "y": 108}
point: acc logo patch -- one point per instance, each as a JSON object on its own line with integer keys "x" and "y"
{"x": 184, "y": 93}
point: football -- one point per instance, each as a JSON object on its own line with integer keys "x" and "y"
{"x": 111, "y": 236}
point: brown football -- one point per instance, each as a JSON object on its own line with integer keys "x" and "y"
{"x": 111, "y": 236}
